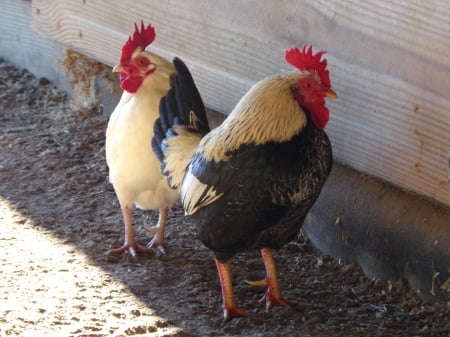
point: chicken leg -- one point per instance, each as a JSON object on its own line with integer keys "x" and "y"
{"x": 158, "y": 230}
{"x": 130, "y": 244}
{"x": 230, "y": 309}
{"x": 272, "y": 296}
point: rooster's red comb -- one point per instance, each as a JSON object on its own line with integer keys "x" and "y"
{"x": 304, "y": 60}
{"x": 140, "y": 38}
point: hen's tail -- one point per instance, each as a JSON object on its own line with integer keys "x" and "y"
{"x": 181, "y": 125}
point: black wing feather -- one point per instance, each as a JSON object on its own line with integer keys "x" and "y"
{"x": 267, "y": 192}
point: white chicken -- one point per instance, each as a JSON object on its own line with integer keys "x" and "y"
{"x": 134, "y": 170}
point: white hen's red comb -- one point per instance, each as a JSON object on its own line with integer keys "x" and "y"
{"x": 140, "y": 38}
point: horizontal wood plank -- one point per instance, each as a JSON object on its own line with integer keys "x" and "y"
{"x": 389, "y": 63}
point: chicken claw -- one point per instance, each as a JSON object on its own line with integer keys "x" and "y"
{"x": 158, "y": 240}
{"x": 230, "y": 313}
{"x": 272, "y": 297}
{"x": 131, "y": 249}
{"x": 130, "y": 246}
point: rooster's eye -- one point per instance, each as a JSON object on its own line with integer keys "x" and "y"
{"x": 142, "y": 61}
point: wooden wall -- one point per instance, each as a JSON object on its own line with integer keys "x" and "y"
{"x": 23, "y": 49}
{"x": 389, "y": 64}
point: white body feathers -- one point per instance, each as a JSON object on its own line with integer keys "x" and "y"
{"x": 134, "y": 170}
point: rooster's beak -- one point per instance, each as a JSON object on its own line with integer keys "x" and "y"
{"x": 329, "y": 93}
{"x": 117, "y": 68}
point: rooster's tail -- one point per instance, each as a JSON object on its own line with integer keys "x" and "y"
{"x": 181, "y": 125}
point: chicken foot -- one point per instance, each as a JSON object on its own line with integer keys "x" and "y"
{"x": 273, "y": 296}
{"x": 130, "y": 244}
{"x": 158, "y": 230}
{"x": 230, "y": 309}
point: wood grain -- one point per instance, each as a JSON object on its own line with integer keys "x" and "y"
{"x": 23, "y": 49}
{"x": 389, "y": 63}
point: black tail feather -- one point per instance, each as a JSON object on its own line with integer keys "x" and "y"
{"x": 182, "y": 105}
{"x": 190, "y": 104}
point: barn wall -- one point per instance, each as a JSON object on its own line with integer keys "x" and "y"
{"x": 389, "y": 63}
{"x": 20, "y": 47}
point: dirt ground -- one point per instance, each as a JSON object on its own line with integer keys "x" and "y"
{"x": 59, "y": 215}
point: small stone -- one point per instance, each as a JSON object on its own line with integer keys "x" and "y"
{"x": 44, "y": 81}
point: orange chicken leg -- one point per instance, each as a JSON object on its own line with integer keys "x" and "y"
{"x": 230, "y": 309}
{"x": 272, "y": 296}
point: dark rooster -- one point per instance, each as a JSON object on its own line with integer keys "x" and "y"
{"x": 249, "y": 183}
